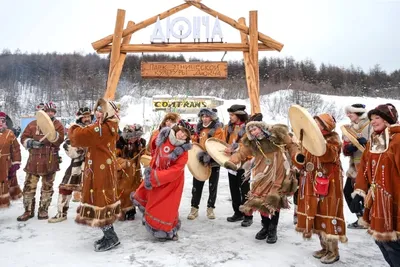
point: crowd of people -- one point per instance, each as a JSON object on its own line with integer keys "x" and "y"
{"x": 266, "y": 167}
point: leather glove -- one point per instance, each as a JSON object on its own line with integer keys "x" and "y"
{"x": 204, "y": 158}
{"x": 356, "y": 205}
{"x": 350, "y": 148}
{"x": 362, "y": 141}
{"x": 34, "y": 144}
{"x": 65, "y": 146}
{"x": 13, "y": 169}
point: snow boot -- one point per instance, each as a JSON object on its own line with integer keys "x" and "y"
{"x": 333, "y": 252}
{"x": 194, "y": 213}
{"x": 62, "y": 209}
{"x": 248, "y": 220}
{"x": 210, "y": 213}
{"x": 130, "y": 215}
{"x": 235, "y": 218}
{"x": 109, "y": 241}
{"x": 29, "y": 210}
{"x": 322, "y": 252}
{"x": 355, "y": 225}
{"x": 263, "y": 233}
{"x": 272, "y": 229}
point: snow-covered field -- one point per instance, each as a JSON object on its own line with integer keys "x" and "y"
{"x": 202, "y": 242}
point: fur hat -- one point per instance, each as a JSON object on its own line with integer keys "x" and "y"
{"x": 209, "y": 113}
{"x": 169, "y": 116}
{"x": 82, "y": 112}
{"x": 387, "y": 112}
{"x": 108, "y": 108}
{"x": 358, "y": 109}
{"x": 327, "y": 121}
{"x": 40, "y": 106}
{"x": 3, "y": 115}
{"x": 131, "y": 131}
{"x": 178, "y": 128}
{"x": 237, "y": 109}
{"x": 256, "y": 117}
{"x": 259, "y": 124}
{"x": 50, "y": 106}
{"x": 186, "y": 125}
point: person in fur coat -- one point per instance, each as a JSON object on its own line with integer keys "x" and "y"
{"x": 100, "y": 205}
{"x": 10, "y": 160}
{"x": 159, "y": 195}
{"x": 359, "y": 126}
{"x": 320, "y": 195}
{"x": 208, "y": 126}
{"x": 239, "y": 186}
{"x": 130, "y": 147}
{"x": 273, "y": 180}
{"x": 378, "y": 183}
{"x": 72, "y": 179}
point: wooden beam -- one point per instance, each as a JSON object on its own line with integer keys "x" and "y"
{"x": 113, "y": 80}
{"x": 253, "y": 52}
{"x": 143, "y": 24}
{"x": 268, "y": 41}
{"x": 250, "y": 75}
{"x": 185, "y": 47}
{"x": 117, "y": 37}
{"x": 169, "y": 70}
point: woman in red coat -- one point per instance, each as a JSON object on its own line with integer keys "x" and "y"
{"x": 159, "y": 195}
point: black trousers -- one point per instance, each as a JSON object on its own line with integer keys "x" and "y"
{"x": 197, "y": 189}
{"x": 391, "y": 252}
{"x": 266, "y": 221}
{"x": 347, "y": 191}
{"x": 239, "y": 190}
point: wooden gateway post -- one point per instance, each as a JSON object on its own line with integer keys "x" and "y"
{"x": 252, "y": 41}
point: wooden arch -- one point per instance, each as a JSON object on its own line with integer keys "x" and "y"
{"x": 252, "y": 41}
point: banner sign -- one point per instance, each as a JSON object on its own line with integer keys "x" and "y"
{"x": 173, "y": 70}
{"x": 184, "y": 105}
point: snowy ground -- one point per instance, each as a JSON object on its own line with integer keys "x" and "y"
{"x": 202, "y": 242}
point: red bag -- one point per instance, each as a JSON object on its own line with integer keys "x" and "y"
{"x": 321, "y": 185}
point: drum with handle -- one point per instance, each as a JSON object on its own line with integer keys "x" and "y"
{"x": 216, "y": 149}
{"x": 352, "y": 137}
{"x": 145, "y": 160}
{"x": 198, "y": 170}
{"x": 307, "y": 131}
{"x": 46, "y": 126}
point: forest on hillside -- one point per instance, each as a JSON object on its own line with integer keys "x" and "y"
{"x": 76, "y": 79}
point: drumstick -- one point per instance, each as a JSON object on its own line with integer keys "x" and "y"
{"x": 44, "y": 137}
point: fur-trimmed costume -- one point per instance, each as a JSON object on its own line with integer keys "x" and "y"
{"x": 129, "y": 172}
{"x": 10, "y": 155}
{"x": 172, "y": 116}
{"x": 100, "y": 204}
{"x": 272, "y": 180}
{"x": 159, "y": 196}
{"x": 378, "y": 181}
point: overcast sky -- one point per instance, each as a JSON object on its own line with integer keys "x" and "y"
{"x": 339, "y": 32}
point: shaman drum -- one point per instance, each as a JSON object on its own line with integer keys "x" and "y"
{"x": 46, "y": 126}
{"x": 197, "y": 169}
{"x": 306, "y": 130}
{"x": 145, "y": 160}
{"x": 216, "y": 149}
{"x": 352, "y": 137}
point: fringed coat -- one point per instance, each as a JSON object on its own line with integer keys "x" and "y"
{"x": 164, "y": 180}
{"x": 378, "y": 181}
{"x": 100, "y": 203}
{"x": 129, "y": 172}
{"x": 317, "y": 214}
{"x": 272, "y": 176}
{"x": 10, "y": 154}
{"x": 72, "y": 180}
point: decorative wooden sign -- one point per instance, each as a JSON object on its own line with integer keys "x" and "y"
{"x": 176, "y": 70}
